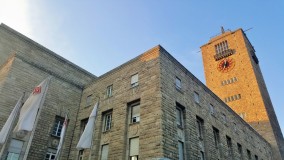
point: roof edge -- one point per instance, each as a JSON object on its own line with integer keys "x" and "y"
{"x": 46, "y": 50}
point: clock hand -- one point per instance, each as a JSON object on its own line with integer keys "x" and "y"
{"x": 225, "y": 64}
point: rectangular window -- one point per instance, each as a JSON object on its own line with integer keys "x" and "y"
{"x": 230, "y": 147}
{"x": 224, "y": 118}
{"x": 180, "y": 150}
{"x": 81, "y": 154}
{"x": 88, "y": 100}
{"x": 104, "y": 152}
{"x": 107, "y": 121}
{"x": 256, "y": 157}
{"x": 109, "y": 91}
{"x": 201, "y": 155}
{"x": 216, "y": 137}
{"x": 135, "y": 113}
{"x": 57, "y": 127}
{"x": 212, "y": 109}
{"x": 178, "y": 83}
{"x": 50, "y": 154}
{"x": 179, "y": 117}
{"x": 134, "y": 80}
{"x": 196, "y": 97}
{"x": 83, "y": 125}
{"x": 221, "y": 47}
{"x": 248, "y": 154}
{"x": 134, "y": 148}
{"x": 14, "y": 150}
{"x": 240, "y": 150}
{"x": 200, "y": 128}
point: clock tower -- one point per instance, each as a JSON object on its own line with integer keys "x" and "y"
{"x": 233, "y": 73}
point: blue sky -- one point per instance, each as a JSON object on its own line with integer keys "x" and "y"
{"x": 100, "y": 35}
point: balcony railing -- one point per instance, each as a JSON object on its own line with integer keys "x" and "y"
{"x": 224, "y": 54}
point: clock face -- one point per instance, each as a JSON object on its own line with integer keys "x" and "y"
{"x": 226, "y": 65}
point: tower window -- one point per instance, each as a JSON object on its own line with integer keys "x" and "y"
{"x": 222, "y": 50}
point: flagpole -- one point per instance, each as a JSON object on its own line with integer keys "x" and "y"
{"x": 13, "y": 123}
{"x": 59, "y": 154}
{"x": 90, "y": 154}
{"x": 36, "y": 121}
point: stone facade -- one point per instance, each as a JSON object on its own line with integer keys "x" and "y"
{"x": 21, "y": 71}
{"x": 151, "y": 107}
{"x": 242, "y": 77}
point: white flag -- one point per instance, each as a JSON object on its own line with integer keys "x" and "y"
{"x": 61, "y": 137}
{"x": 10, "y": 121}
{"x": 30, "y": 109}
{"x": 87, "y": 135}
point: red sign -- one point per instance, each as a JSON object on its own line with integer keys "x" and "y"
{"x": 37, "y": 90}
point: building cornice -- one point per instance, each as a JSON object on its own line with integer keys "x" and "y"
{"x": 45, "y": 50}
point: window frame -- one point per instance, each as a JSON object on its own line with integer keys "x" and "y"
{"x": 57, "y": 126}
{"x": 89, "y": 100}
{"x": 196, "y": 97}
{"x": 178, "y": 83}
{"x": 133, "y": 157}
{"x": 230, "y": 146}
{"x": 133, "y": 81}
{"x": 240, "y": 150}
{"x": 216, "y": 134}
{"x": 179, "y": 111}
{"x": 81, "y": 154}
{"x": 109, "y": 91}
{"x": 102, "y": 150}
{"x": 50, "y": 152}
{"x": 137, "y": 118}
{"x": 11, "y": 147}
{"x": 180, "y": 143}
{"x": 107, "y": 121}
{"x": 200, "y": 127}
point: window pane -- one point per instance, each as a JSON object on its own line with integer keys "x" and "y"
{"x": 134, "y": 146}
{"x": 134, "y": 80}
{"x": 57, "y": 126}
{"x": 136, "y": 113}
{"x": 109, "y": 91}
{"x": 178, "y": 83}
{"x": 196, "y": 97}
{"x": 15, "y": 146}
{"x": 104, "y": 152}
{"x": 107, "y": 121}
{"x": 179, "y": 117}
{"x": 180, "y": 151}
{"x": 13, "y": 156}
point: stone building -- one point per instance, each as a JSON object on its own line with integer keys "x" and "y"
{"x": 150, "y": 107}
{"x": 232, "y": 72}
